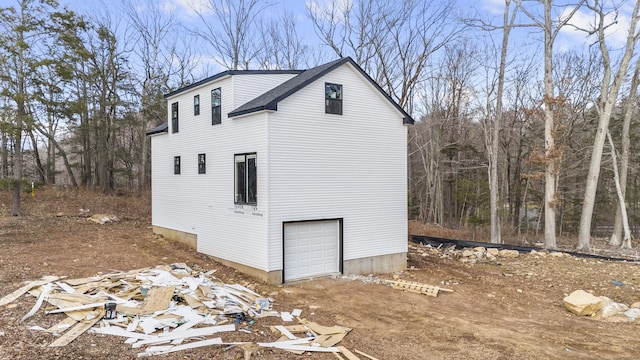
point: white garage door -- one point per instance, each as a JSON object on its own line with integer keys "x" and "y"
{"x": 311, "y": 248}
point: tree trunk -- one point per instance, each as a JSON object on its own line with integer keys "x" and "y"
{"x": 626, "y": 243}
{"x": 608, "y": 97}
{"x": 550, "y": 173}
{"x": 629, "y": 113}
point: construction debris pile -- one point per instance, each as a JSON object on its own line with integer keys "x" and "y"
{"x": 584, "y": 303}
{"x": 474, "y": 255}
{"x": 168, "y": 309}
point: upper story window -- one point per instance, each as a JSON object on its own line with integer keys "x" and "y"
{"x": 174, "y": 117}
{"x": 202, "y": 164}
{"x": 246, "y": 182}
{"x": 216, "y": 106}
{"x": 176, "y": 165}
{"x": 196, "y": 105}
{"x": 333, "y": 98}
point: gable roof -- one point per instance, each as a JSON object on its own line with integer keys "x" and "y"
{"x": 158, "y": 129}
{"x": 270, "y": 99}
{"x": 228, "y": 73}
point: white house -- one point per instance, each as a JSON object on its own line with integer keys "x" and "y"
{"x": 285, "y": 175}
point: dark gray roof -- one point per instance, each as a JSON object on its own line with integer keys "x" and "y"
{"x": 270, "y": 99}
{"x": 159, "y": 129}
{"x": 229, "y": 72}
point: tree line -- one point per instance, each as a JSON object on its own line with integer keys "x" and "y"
{"x": 513, "y": 134}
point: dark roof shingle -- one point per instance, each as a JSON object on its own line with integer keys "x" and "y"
{"x": 270, "y": 99}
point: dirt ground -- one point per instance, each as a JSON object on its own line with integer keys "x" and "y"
{"x": 512, "y": 309}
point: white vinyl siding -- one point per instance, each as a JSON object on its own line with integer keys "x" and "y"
{"x": 254, "y": 85}
{"x": 203, "y": 204}
{"x": 352, "y": 167}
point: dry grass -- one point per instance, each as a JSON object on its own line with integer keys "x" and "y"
{"x": 58, "y": 200}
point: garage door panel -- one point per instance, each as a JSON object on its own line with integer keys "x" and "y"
{"x": 311, "y": 249}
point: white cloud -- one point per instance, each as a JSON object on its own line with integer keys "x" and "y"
{"x": 322, "y": 9}
{"x": 186, "y": 8}
{"x": 615, "y": 33}
{"x": 493, "y": 7}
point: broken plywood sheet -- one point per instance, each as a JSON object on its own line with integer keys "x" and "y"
{"x": 324, "y": 330}
{"x": 157, "y": 299}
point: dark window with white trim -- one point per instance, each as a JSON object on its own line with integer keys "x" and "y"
{"x": 333, "y": 98}
{"x": 174, "y": 117}
{"x": 176, "y": 165}
{"x": 216, "y": 106}
{"x": 196, "y": 105}
{"x": 246, "y": 182}
{"x": 202, "y": 164}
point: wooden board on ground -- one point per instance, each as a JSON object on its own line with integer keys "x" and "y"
{"x": 416, "y": 287}
{"x": 78, "y": 329}
{"x": 24, "y": 289}
{"x": 348, "y": 354}
{"x": 62, "y": 326}
{"x": 365, "y": 355}
{"x": 157, "y": 299}
{"x": 324, "y": 330}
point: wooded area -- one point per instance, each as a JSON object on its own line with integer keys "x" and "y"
{"x": 511, "y": 130}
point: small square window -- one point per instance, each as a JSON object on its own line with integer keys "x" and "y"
{"x": 202, "y": 164}
{"x": 333, "y": 98}
{"x": 176, "y": 165}
{"x": 216, "y": 106}
{"x": 196, "y": 105}
{"x": 174, "y": 117}
{"x": 246, "y": 180}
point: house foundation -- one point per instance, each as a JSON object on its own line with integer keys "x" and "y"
{"x": 368, "y": 265}
{"x": 376, "y": 264}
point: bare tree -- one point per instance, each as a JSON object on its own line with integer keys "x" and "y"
{"x": 629, "y": 112}
{"x": 283, "y": 47}
{"x": 391, "y": 40}
{"x": 610, "y": 87}
{"x": 551, "y": 28}
{"x": 230, "y": 26}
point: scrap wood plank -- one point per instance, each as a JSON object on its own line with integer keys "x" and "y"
{"x": 82, "y": 281}
{"x": 284, "y": 338}
{"x": 76, "y": 298}
{"x": 417, "y": 287}
{"x": 78, "y": 329}
{"x": 328, "y": 340}
{"x": 76, "y": 308}
{"x": 291, "y": 328}
{"x": 324, "y": 330}
{"x": 348, "y": 354}
{"x": 365, "y": 355}
{"x": 285, "y": 332}
{"x": 45, "y": 291}
{"x": 192, "y": 302}
{"x": 24, "y": 289}
{"x": 62, "y": 326}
